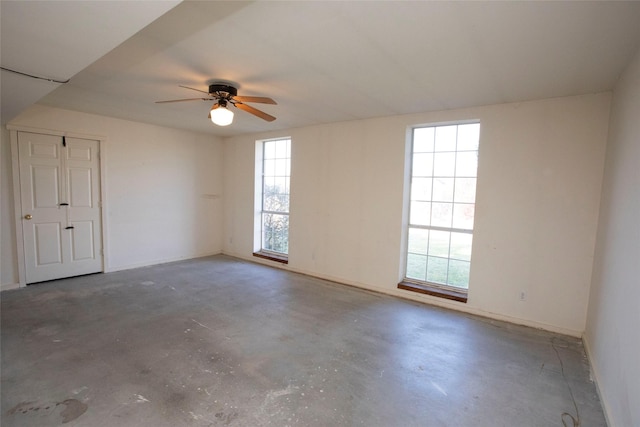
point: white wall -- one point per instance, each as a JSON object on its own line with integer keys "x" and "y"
{"x": 8, "y": 261}
{"x": 612, "y": 338}
{"x": 540, "y": 172}
{"x": 163, "y": 189}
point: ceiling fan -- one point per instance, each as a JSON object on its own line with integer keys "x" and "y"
{"x": 223, "y": 95}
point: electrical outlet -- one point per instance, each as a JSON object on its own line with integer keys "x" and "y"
{"x": 523, "y": 295}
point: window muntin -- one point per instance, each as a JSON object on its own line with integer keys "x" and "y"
{"x": 444, "y": 162}
{"x": 276, "y": 173}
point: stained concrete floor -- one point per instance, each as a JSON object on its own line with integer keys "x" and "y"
{"x": 217, "y": 341}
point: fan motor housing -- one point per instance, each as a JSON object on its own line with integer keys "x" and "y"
{"x": 232, "y": 91}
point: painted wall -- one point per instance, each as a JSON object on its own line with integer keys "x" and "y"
{"x": 163, "y": 189}
{"x": 540, "y": 173}
{"x": 612, "y": 338}
{"x": 8, "y": 261}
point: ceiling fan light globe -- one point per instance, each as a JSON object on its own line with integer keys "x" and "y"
{"x": 221, "y": 116}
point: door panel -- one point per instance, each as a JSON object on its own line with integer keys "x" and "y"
{"x": 77, "y": 152}
{"x": 44, "y": 149}
{"x": 80, "y": 187}
{"x": 48, "y": 243}
{"x": 83, "y": 187}
{"x": 45, "y": 186}
{"x": 82, "y": 241}
{"x": 60, "y": 188}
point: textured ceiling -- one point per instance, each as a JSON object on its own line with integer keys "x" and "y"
{"x": 334, "y": 61}
{"x": 57, "y": 39}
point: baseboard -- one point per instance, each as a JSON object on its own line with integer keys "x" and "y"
{"x": 416, "y": 297}
{"x": 9, "y": 286}
{"x": 595, "y": 377}
{"x": 158, "y": 261}
{"x": 6, "y": 287}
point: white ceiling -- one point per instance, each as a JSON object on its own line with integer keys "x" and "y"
{"x": 57, "y": 39}
{"x": 330, "y": 61}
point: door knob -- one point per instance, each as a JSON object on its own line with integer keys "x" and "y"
{"x": 28, "y": 216}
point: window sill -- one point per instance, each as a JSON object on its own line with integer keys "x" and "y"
{"x": 427, "y": 289}
{"x": 283, "y": 259}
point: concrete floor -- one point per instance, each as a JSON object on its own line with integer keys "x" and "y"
{"x": 218, "y": 341}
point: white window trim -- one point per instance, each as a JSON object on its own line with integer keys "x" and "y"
{"x": 430, "y": 288}
{"x": 258, "y": 204}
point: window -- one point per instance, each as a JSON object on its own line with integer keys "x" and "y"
{"x": 444, "y": 161}
{"x": 274, "y": 176}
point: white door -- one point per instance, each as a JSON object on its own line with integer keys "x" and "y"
{"x": 60, "y": 197}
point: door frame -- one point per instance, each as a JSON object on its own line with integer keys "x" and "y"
{"x": 17, "y": 202}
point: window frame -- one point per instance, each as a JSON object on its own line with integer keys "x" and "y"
{"x": 259, "y": 201}
{"x": 442, "y": 290}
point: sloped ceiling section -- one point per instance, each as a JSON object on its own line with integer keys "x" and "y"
{"x": 57, "y": 39}
{"x": 334, "y": 61}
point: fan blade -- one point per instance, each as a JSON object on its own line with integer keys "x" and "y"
{"x": 259, "y": 99}
{"x": 254, "y": 111}
{"x": 187, "y": 87}
{"x": 183, "y": 100}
